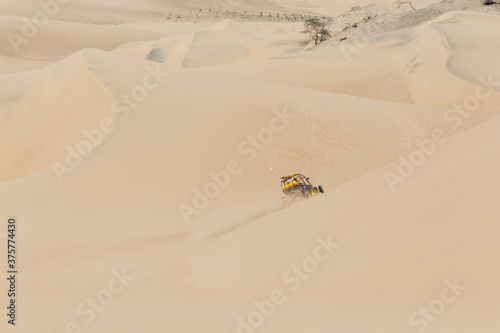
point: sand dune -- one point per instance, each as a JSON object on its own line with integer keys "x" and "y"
{"x": 329, "y": 132}
{"x": 137, "y": 161}
{"x": 223, "y": 43}
{"x": 23, "y": 54}
{"x": 428, "y": 54}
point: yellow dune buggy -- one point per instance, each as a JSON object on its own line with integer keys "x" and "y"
{"x": 298, "y": 185}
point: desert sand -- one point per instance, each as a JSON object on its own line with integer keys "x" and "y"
{"x": 142, "y": 145}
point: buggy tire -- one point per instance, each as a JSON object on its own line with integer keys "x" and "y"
{"x": 321, "y": 189}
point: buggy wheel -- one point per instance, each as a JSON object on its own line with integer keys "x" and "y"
{"x": 321, "y": 189}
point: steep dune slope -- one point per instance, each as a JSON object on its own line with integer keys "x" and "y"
{"x": 396, "y": 254}
{"x": 44, "y": 111}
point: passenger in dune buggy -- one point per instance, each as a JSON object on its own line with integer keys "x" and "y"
{"x": 298, "y": 185}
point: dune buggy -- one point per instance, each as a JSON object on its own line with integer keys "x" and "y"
{"x": 298, "y": 185}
